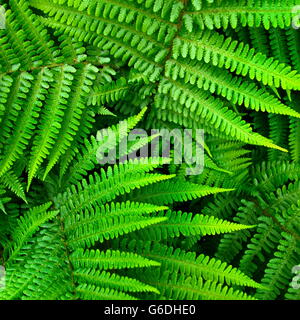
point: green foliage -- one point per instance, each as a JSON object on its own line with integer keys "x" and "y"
{"x": 72, "y": 71}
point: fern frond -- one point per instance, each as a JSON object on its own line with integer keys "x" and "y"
{"x": 91, "y": 292}
{"x": 70, "y": 123}
{"x": 87, "y": 160}
{"x": 109, "y": 93}
{"x": 188, "y": 263}
{"x": 11, "y": 181}
{"x": 168, "y": 192}
{"x": 98, "y": 226}
{"x": 178, "y": 287}
{"x": 187, "y": 224}
{"x": 27, "y": 226}
{"x": 237, "y": 57}
{"x": 102, "y": 188}
{"x": 278, "y": 272}
{"x": 112, "y": 281}
{"x": 232, "y": 88}
{"x": 214, "y": 111}
{"x": 234, "y": 13}
{"x": 109, "y": 259}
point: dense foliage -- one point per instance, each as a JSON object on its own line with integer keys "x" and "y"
{"x": 71, "y": 228}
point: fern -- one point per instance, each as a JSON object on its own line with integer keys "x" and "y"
{"x": 76, "y": 227}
